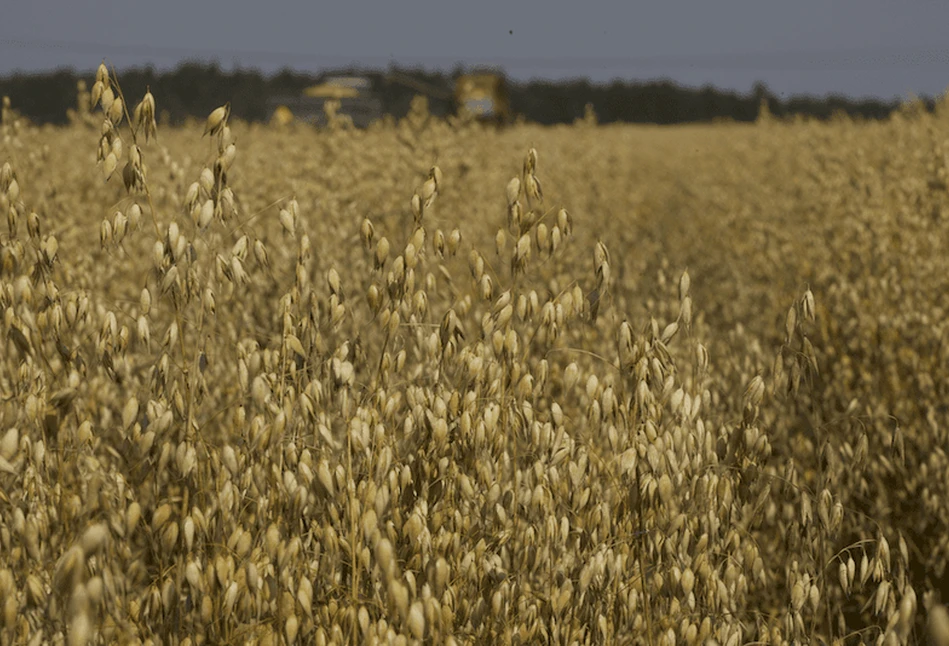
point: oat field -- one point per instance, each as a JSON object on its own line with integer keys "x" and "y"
{"x": 434, "y": 383}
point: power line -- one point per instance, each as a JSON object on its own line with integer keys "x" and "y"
{"x": 177, "y": 53}
{"x": 841, "y": 59}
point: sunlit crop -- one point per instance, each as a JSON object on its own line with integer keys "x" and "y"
{"x": 434, "y": 382}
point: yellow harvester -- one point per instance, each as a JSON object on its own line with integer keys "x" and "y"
{"x": 484, "y": 95}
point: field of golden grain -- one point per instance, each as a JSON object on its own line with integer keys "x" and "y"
{"x": 434, "y": 383}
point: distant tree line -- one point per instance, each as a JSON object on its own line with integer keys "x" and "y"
{"x": 194, "y": 89}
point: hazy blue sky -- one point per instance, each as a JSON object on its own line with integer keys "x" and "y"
{"x": 882, "y": 48}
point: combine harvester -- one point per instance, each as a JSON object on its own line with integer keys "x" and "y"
{"x": 354, "y": 95}
{"x": 483, "y": 95}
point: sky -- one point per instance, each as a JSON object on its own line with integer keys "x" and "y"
{"x": 869, "y": 48}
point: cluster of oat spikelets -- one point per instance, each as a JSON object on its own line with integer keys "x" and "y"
{"x": 435, "y": 383}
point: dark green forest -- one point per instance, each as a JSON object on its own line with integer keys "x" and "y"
{"x": 193, "y": 89}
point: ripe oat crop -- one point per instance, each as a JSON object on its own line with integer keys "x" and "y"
{"x": 433, "y": 382}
